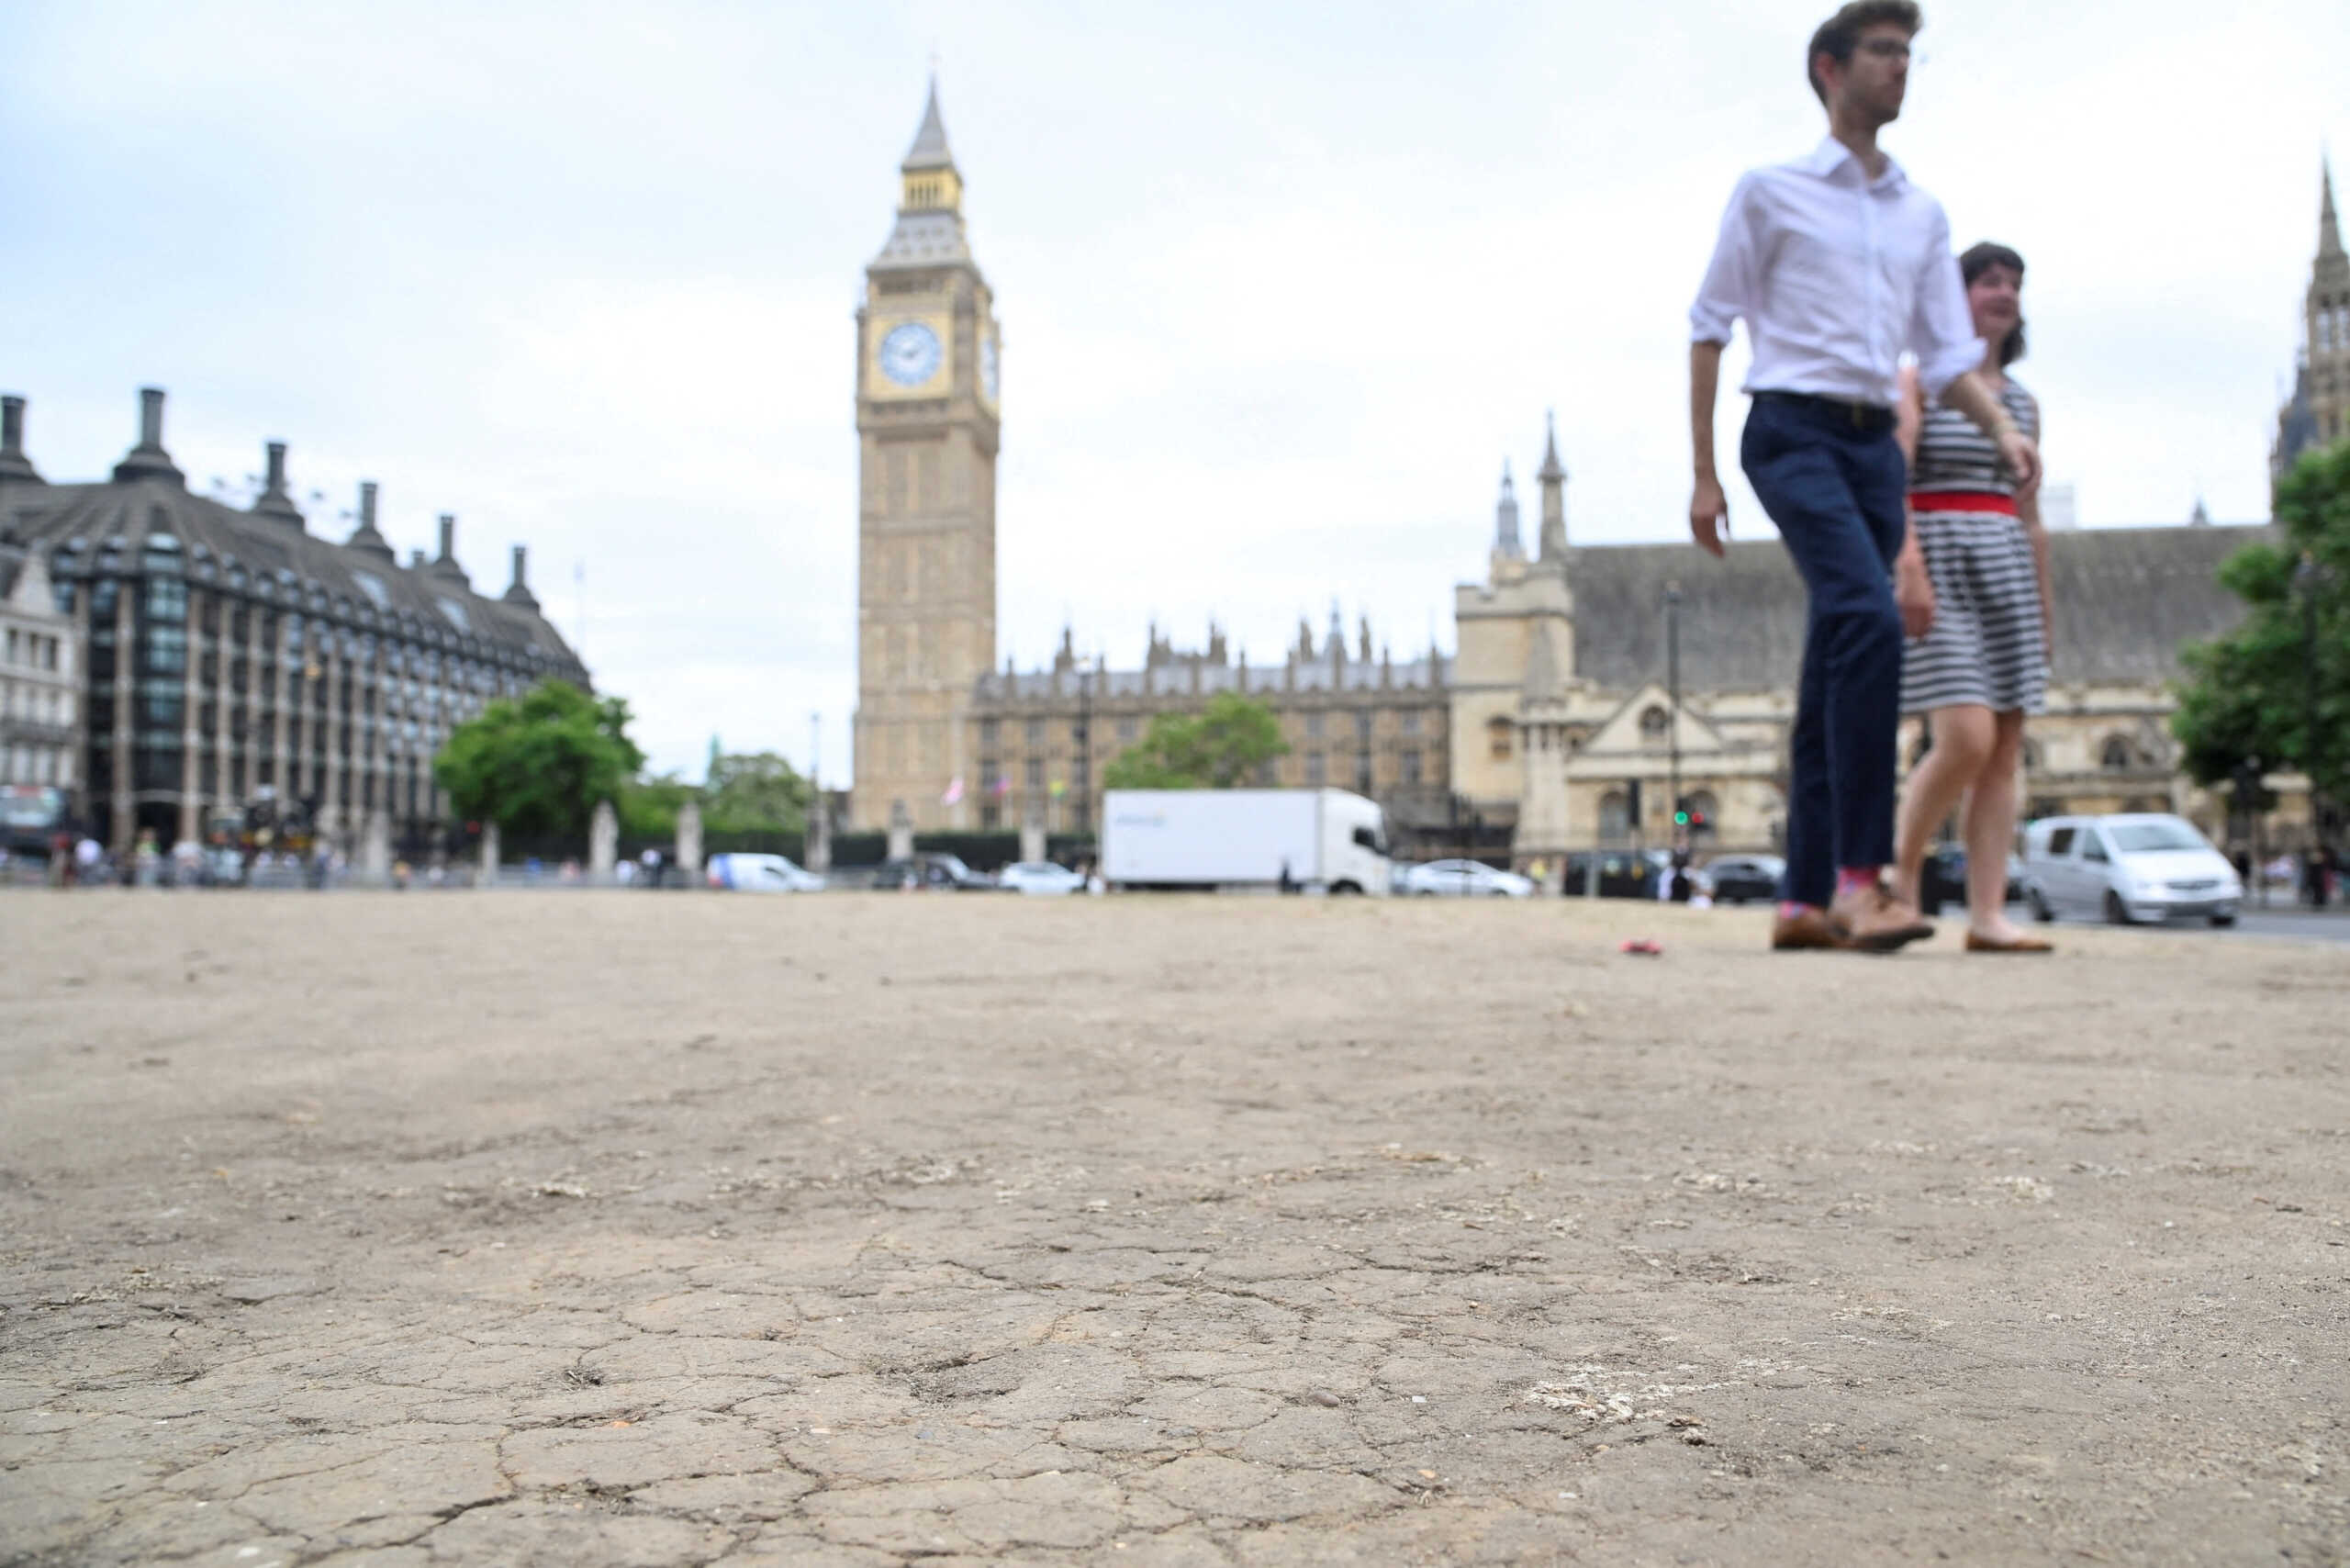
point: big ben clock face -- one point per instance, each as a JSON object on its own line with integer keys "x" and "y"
{"x": 988, "y": 352}
{"x": 910, "y": 354}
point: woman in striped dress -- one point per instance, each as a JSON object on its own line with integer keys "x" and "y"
{"x": 1971, "y": 582}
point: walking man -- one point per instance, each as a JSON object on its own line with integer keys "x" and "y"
{"x": 1838, "y": 264}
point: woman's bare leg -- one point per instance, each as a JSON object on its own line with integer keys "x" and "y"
{"x": 1990, "y": 827}
{"x": 1963, "y": 737}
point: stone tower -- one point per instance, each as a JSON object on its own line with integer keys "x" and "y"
{"x": 1516, "y": 646}
{"x": 2319, "y": 412}
{"x": 926, "y": 425}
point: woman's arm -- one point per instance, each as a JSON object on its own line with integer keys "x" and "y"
{"x": 2027, "y": 508}
{"x": 1913, "y": 589}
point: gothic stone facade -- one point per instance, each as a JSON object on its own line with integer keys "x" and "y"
{"x": 1357, "y": 719}
{"x": 233, "y": 655}
{"x": 1563, "y": 712}
{"x": 2318, "y": 414}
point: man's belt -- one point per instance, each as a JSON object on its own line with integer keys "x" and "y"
{"x": 1860, "y": 416}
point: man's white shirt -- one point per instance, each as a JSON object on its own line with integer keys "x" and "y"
{"x": 1837, "y": 275}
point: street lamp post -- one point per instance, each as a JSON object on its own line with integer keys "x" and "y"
{"x": 1672, "y": 683}
{"x": 2308, "y": 580}
{"x": 1084, "y": 779}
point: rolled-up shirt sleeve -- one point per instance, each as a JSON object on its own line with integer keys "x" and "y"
{"x": 1942, "y": 330}
{"x": 1728, "y": 291}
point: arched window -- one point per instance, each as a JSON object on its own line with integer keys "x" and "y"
{"x": 1615, "y": 816}
{"x": 2117, "y": 756}
{"x": 1653, "y": 722}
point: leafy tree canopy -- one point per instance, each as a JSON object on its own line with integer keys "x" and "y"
{"x": 1220, "y": 747}
{"x": 648, "y": 807}
{"x": 756, "y": 792}
{"x": 2247, "y": 701}
{"x": 538, "y": 763}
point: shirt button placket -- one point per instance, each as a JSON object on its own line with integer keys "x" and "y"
{"x": 1874, "y": 268}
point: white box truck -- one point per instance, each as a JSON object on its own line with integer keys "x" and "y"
{"x": 1326, "y": 840}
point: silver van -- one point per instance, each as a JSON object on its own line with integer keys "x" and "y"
{"x": 2137, "y": 865}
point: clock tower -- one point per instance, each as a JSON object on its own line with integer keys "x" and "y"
{"x": 926, "y": 426}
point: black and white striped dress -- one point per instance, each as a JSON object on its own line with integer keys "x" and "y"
{"x": 1986, "y": 646}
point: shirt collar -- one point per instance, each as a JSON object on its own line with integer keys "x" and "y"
{"x": 1831, "y": 156}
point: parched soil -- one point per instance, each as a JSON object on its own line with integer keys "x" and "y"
{"x": 516, "y": 1229}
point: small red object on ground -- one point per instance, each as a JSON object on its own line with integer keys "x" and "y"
{"x": 1646, "y": 946}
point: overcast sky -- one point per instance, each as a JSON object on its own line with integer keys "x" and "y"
{"x": 1282, "y": 285}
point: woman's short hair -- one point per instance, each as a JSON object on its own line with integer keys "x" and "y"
{"x": 1980, "y": 259}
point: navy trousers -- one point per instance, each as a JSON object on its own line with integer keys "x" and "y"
{"x": 1836, "y": 492}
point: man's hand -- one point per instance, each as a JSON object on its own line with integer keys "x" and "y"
{"x": 2021, "y": 457}
{"x": 1913, "y": 592}
{"x": 1710, "y": 515}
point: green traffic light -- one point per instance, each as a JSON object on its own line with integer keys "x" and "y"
{"x": 1681, "y": 818}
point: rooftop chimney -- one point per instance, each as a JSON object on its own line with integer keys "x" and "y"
{"x": 518, "y": 592}
{"x": 416, "y": 560}
{"x": 446, "y": 566}
{"x": 274, "y": 502}
{"x": 14, "y": 463}
{"x": 364, "y": 536}
{"x": 148, "y": 460}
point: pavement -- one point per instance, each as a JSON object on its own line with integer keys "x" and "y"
{"x": 864, "y": 1230}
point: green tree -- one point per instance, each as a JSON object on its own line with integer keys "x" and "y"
{"x": 538, "y": 763}
{"x": 2247, "y": 700}
{"x": 648, "y": 807}
{"x": 756, "y": 792}
{"x": 1220, "y": 747}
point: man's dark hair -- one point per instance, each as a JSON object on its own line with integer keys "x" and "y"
{"x": 1980, "y": 259}
{"x": 1839, "y": 34}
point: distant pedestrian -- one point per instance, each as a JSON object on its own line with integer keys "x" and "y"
{"x": 1972, "y": 583}
{"x": 1837, "y": 264}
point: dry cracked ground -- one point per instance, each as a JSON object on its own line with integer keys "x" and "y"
{"x": 862, "y": 1230}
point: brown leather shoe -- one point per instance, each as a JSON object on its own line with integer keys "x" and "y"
{"x": 1806, "y": 932}
{"x": 1978, "y": 943}
{"x": 1874, "y": 921}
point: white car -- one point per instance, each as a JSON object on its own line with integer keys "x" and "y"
{"x": 761, "y": 874}
{"x": 2137, "y": 865}
{"x": 1464, "y": 879}
{"x": 1040, "y": 879}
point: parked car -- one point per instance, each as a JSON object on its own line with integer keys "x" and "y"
{"x": 2131, "y": 867}
{"x": 930, "y": 870}
{"x": 1943, "y": 879}
{"x": 1464, "y": 879}
{"x": 760, "y": 874}
{"x": 1742, "y": 879}
{"x": 1039, "y": 878}
{"x": 1623, "y": 873}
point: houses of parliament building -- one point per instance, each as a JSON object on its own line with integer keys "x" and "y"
{"x": 1554, "y": 725}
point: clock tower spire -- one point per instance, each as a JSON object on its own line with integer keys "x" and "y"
{"x": 927, "y": 434}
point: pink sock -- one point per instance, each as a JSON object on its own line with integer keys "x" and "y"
{"x": 1788, "y": 911}
{"x": 1856, "y": 878}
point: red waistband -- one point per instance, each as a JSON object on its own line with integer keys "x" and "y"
{"x": 1962, "y": 500}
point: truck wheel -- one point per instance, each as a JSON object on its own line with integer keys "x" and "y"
{"x": 1345, "y": 888}
{"x": 2039, "y": 910}
{"x": 2116, "y": 911}
{"x": 2223, "y": 921}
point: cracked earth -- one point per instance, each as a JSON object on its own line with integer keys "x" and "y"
{"x": 864, "y": 1230}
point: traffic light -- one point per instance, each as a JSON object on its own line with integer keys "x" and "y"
{"x": 1632, "y": 803}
